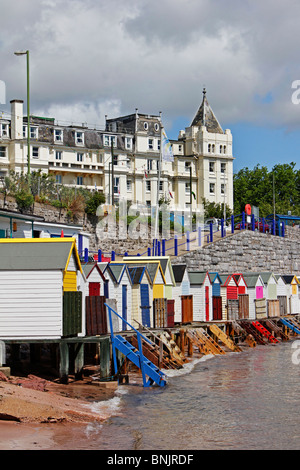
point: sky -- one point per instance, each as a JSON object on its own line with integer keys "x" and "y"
{"x": 91, "y": 58}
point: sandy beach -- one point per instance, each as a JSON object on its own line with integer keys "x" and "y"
{"x": 41, "y": 414}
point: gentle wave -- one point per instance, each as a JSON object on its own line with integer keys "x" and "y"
{"x": 187, "y": 368}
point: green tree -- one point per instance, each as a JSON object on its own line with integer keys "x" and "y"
{"x": 261, "y": 188}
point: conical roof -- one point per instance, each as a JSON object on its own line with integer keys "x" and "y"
{"x": 205, "y": 117}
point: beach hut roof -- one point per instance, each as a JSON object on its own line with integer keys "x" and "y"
{"x": 197, "y": 277}
{"x": 225, "y": 278}
{"x": 18, "y": 254}
{"x": 164, "y": 262}
{"x": 289, "y": 278}
{"x": 89, "y": 267}
{"x": 252, "y": 278}
{"x": 137, "y": 273}
{"x": 178, "y": 271}
{"x": 266, "y": 276}
{"x": 213, "y": 276}
{"x": 116, "y": 271}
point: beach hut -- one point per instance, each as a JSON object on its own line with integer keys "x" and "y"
{"x": 166, "y": 266}
{"x": 93, "y": 281}
{"x": 282, "y": 295}
{"x": 182, "y": 288}
{"x": 255, "y": 290}
{"x": 142, "y": 295}
{"x": 216, "y": 282}
{"x": 292, "y": 284}
{"x": 270, "y": 285}
{"x": 201, "y": 290}
{"x": 39, "y": 281}
{"x": 241, "y": 283}
{"x": 229, "y": 294}
{"x": 119, "y": 289}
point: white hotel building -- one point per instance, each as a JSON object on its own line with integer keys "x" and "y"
{"x": 127, "y": 151}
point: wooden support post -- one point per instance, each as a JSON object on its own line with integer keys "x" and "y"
{"x": 105, "y": 358}
{"x": 190, "y": 348}
{"x": 64, "y": 362}
{"x": 79, "y": 361}
{"x": 182, "y": 341}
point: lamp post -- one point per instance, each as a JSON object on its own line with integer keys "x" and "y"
{"x": 28, "y": 110}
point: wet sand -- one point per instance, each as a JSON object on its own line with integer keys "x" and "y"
{"x": 40, "y": 414}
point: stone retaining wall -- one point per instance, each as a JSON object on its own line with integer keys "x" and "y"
{"x": 246, "y": 251}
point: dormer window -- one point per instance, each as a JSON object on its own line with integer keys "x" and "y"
{"x": 79, "y": 138}
{"x": 33, "y": 132}
{"x": 4, "y": 130}
{"x": 146, "y": 126}
{"x": 110, "y": 140}
{"x": 58, "y": 135}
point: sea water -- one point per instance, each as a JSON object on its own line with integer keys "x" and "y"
{"x": 247, "y": 400}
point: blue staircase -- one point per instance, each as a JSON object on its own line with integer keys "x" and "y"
{"x": 290, "y": 325}
{"x": 147, "y": 368}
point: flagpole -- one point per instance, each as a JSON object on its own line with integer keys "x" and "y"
{"x": 158, "y": 184}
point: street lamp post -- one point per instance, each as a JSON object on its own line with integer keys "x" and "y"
{"x": 28, "y": 110}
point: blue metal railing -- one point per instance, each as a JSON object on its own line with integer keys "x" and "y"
{"x": 139, "y": 339}
{"x": 158, "y": 248}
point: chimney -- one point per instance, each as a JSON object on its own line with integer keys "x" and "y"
{"x": 16, "y": 119}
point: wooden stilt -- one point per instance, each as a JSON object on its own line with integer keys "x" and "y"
{"x": 64, "y": 362}
{"x": 105, "y": 358}
{"x": 79, "y": 361}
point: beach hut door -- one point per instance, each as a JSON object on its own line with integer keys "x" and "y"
{"x": 124, "y": 306}
{"x": 94, "y": 288}
{"x": 145, "y": 305}
{"x": 207, "y": 303}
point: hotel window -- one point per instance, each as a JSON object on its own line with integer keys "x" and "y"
{"x": 187, "y": 166}
{"x": 58, "y": 179}
{"x": 58, "y": 135}
{"x": 156, "y": 127}
{"x": 129, "y": 185}
{"x": 128, "y": 143}
{"x": 33, "y": 132}
{"x": 80, "y": 180}
{"x": 35, "y": 152}
{"x": 116, "y": 185}
{"x": 116, "y": 159}
{"x": 146, "y": 126}
{"x": 150, "y": 144}
{"x": 209, "y": 148}
{"x": 4, "y": 130}
{"x": 58, "y": 155}
{"x": 161, "y": 186}
{"x": 110, "y": 140}
{"x": 224, "y": 149}
{"x": 211, "y": 167}
{"x": 148, "y": 185}
{"x": 223, "y": 167}
{"x": 2, "y": 152}
{"x": 158, "y": 144}
{"x": 222, "y": 188}
{"x": 187, "y": 188}
{"x": 149, "y": 165}
{"x": 79, "y": 138}
{"x": 211, "y": 188}
{"x": 80, "y": 157}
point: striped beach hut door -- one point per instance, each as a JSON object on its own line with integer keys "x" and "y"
{"x": 124, "y": 306}
{"x": 145, "y": 304}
